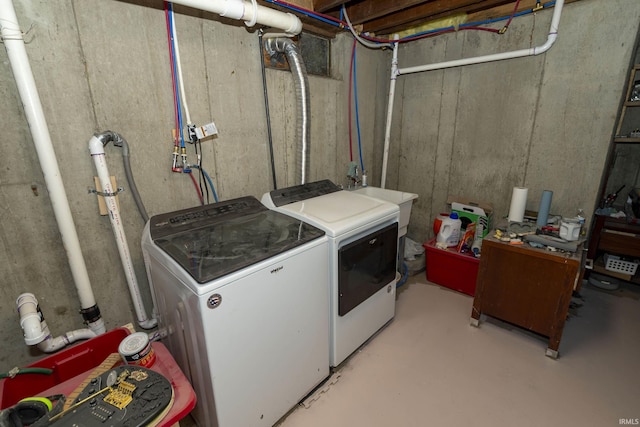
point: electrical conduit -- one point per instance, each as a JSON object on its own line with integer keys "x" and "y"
{"x": 96, "y": 148}
{"x": 299, "y": 72}
{"x": 14, "y": 44}
{"x": 551, "y": 38}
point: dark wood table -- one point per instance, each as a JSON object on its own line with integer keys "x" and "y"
{"x": 527, "y": 287}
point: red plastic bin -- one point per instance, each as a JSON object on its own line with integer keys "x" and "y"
{"x": 66, "y": 364}
{"x": 453, "y": 270}
{"x": 72, "y": 366}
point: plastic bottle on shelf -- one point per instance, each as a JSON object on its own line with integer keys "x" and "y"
{"x": 449, "y": 232}
{"x": 581, "y": 220}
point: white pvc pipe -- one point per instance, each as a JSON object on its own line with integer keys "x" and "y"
{"x": 14, "y": 44}
{"x": 551, "y": 38}
{"x": 51, "y": 344}
{"x": 36, "y": 331}
{"x": 96, "y": 148}
{"x": 248, "y": 12}
{"x": 392, "y": 93}
{"x": 30, "y": 319}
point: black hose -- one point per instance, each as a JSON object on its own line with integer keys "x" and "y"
{"x": 132, "y": 182}
{"x": 119, "y": 141}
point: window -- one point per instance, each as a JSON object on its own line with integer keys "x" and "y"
{"x": 315, "y": 51}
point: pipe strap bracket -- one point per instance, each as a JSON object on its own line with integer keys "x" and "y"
{"x": 104, "y": 193}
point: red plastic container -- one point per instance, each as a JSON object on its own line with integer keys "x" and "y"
{"x": 66, "y": 364}
{"x": 73, "y": 365}
{"x": 448, "y": 268}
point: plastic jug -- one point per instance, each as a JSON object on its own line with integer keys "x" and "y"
{"x": 570, "y": 230}
{"x": 449, "y": 232}
{"x": 437, "y": 223}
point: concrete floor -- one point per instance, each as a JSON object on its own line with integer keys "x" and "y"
{"x": 430, "y": 367}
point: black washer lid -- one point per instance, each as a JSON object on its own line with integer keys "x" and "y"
{"x": 297, "y": 193}
{"x": 214, "y": 240}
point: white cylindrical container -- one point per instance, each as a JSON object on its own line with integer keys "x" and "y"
{"x": 449, "y": 232}
{"x": 518, "y": 204}
{"x": 136, "y": 349}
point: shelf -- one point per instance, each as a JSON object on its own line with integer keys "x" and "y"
{"x": 598, "y": 267}
{"x": 632, "y": 103}
{"x": 627, "y": 140}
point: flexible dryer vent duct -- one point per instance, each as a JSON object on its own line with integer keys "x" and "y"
{"x": 299, "y": 72}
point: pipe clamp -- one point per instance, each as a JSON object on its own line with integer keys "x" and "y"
{"x": 104, "y": 193}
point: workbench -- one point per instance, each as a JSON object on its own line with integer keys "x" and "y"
{"x": 527, "y": 287}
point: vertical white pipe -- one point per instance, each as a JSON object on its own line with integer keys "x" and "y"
{"x": 392, "y": 93}
{"x": 96, "y": 148}
{"x": 551, "y": 38}
{"x": 14, "y": 44}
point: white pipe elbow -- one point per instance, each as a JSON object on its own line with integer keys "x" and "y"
{"x": 96, "y": 146}
{"x": 148, "y": 324}
{"x": 30, "y": 319}
{"x": 33, "y": 333}
{"x": 51, "y": 344}
{"x": 551, "y": 39}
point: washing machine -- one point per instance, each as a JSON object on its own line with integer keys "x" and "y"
{"x": 242, "y": 296}
{"x": 363, "y": 249}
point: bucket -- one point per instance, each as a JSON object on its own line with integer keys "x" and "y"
{"x": 449, "y": 232}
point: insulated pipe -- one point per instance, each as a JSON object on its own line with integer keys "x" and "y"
{"x": 96, "y": 148}
{"x": 303, "y": 123}
{"x": 392, "y": 92}
{"x": 36, "y": 331}
{"x": 248, "y": 12}
{"x": 551, "y": 38}
{"x": 14, "y": 44}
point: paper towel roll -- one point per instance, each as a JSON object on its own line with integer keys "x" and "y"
{"x": 543, "y": 210}
{"x": 518, "y": 204}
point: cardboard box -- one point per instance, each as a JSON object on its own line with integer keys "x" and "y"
{"x": 476, "y": 211}
{"x": 448, "y": 268}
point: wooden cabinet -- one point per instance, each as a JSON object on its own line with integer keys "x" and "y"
{"x": 527, "y": 287}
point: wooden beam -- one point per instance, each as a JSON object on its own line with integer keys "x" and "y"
{"x": 427, "y": 12}
{"x": 371, "y": 9}
{"x": 307, "y": 4}
{"x": 505, "y": 10}
{"x": 323, "y": 6}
